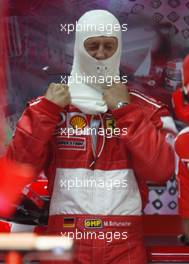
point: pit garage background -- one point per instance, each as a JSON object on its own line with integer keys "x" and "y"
{"x": 154, "y": 45}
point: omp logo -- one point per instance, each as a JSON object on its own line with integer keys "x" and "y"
{"x": 93, "y": 223}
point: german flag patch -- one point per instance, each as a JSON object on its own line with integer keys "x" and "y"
{"x": 69, "y": 222}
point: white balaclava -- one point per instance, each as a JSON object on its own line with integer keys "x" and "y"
{"x": 86, "y": 95}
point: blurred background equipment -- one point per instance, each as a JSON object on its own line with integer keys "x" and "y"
{"x": 10, "y": 171}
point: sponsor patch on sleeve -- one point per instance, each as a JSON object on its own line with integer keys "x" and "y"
{"x": 71, "y": 143}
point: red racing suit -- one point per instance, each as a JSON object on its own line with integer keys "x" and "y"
{"x": 98, "y": 182}
{"x": 181, "y": 148}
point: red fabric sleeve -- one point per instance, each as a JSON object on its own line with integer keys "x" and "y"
{"x": 181, "y": 145}
{"x": 183, "y": 189}
{"x": 181, "y": 148}
{"x": 30, "y": 143}
{"x": 152, "y": 157}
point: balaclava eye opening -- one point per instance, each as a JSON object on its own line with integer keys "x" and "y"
{"x": 88, "y": 74}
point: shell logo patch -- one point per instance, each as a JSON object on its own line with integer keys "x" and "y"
{"x": 93, "y": 223}
{"x": 78, "y": 122}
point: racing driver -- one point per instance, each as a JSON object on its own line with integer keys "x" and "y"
{"x": 97, "y": 180}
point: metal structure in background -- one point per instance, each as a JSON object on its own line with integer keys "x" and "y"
{"x": 27, "y": 247}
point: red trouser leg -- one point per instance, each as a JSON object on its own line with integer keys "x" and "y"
{"x": 101, "y": 251}
{"x": 131, "y": 252}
